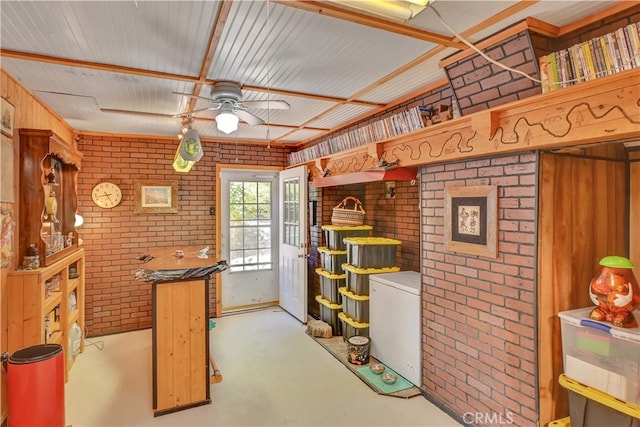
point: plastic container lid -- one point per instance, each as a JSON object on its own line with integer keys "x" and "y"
{"x": 346, "y": 319}
{"x": 580, "y": 317}
{"x": 347, "y": 227}
{"x": 378, "y": 241}
{"x": 326, "y": 250}
{"x": 329, "y": 275}
{"x": 357, "y": 270}
{"x": 359, "y": 340}
{"x": 600, "y": 397}
{"x": 327, "y": 303}
{"x": 344, "y": 291}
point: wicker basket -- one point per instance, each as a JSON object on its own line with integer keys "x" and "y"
{"x": 343, "y": 216}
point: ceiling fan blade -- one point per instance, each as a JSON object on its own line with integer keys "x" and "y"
{"x": 275, "y": 104}
{"x": 190, "y": 113}
{"x": 248, "y": 117}
{"x": 195, "y": 96}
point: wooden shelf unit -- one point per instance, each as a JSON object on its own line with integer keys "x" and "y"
{"x": 42, "y": 151}
{"x": 29, "y": 305}
{"x": 601, "y": 110}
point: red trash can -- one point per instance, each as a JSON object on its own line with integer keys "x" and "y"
{"x": 35, "y": 385}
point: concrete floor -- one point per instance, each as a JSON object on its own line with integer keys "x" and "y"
{"x": 274, "y": 374}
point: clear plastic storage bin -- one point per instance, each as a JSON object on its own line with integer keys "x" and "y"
{"x": 355, "y": 306}
{"x": 329, "y": 313}
{"x": 600, "y": 355}
{"x": 358, "y": 278}
{"x": 351, "y": 328}
{"x": 329, "y": 284}
{"x": 371, "y": 252}
{"x": 335, "y": 234}
{"x": 332, "y": 260}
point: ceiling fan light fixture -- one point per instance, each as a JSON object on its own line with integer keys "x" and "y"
{"x": 227, "y": 122}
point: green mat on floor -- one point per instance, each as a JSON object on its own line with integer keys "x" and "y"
{"x": 376, "y": 380}
{"x": 338, "y": 348}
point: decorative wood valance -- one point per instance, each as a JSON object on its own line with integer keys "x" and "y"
{"x": 602, "y": 110}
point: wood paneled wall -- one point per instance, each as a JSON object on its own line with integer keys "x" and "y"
{"x": 582, "y": 218}
{"x": 29, "y": 113}
{"x": 634, "y": 211}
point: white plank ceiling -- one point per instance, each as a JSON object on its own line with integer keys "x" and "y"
{"x": 113, "y": 66}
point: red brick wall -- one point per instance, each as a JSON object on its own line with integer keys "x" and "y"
{"x": 397, "y": 218}
{"x": 113, "y": 238}
{"x": 597, "y": 29}
{"x": 479, "y": 313}
{"x": 479, "y": 85}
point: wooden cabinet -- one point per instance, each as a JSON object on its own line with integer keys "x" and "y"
{"x": 48, "y": 195}
{"x": 45, "y": 303}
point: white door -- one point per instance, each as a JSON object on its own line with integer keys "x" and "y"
{"x": 293, "y": 242}
{"x": 248, "y": 230}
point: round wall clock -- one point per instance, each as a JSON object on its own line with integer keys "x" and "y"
{"x": 106, "y": 195}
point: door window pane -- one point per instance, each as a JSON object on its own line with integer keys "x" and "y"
{"x": 250, "y": 221}
{"x": 291, "y": 221}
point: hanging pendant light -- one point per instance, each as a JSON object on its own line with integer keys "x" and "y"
{"x": 191, "y": 148}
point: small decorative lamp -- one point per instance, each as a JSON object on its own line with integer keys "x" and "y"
{"x": 615, "y": 292}
{"x": 191, "y": 148}
{"x": 181, "y": 165}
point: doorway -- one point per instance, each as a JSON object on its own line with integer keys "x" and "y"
{"x": 262, "y": 233}
{"x": 249, "y": 238}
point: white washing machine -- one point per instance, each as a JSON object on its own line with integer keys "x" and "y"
{"x": 395, "y": 322}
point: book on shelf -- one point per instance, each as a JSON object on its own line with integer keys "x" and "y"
{"x": 601, "y": 56}
{"x": 377, "y": 130}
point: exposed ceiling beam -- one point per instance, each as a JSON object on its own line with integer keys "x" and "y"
{"x": 8, "y": 53}
{"x": 214, "y": 39}
{"x": 334, "y": 11}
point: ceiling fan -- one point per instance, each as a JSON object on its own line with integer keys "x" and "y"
{"x": 229, "y": 109}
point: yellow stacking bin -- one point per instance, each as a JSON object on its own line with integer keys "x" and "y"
{"x": 351, "y": 328}
{"x": 332, "y": 260}
{"x": 371, "y": 252}
{"x": 329, "y": 284}
{"x": 335, "y": 234}
{"x": 355, "y": 306}
{"x": 589, "y": 407}
{"x": 329, "y": 313}
{"x": 562, "y": 422}
{"x": 358, "y": 278}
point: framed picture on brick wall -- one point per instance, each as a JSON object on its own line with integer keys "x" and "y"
{"x": 471, "y": 220}
{"x": 155, "y": 197}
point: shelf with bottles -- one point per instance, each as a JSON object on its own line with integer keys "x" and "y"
{"x": 52, "y": 326}
{"x": 46, "y": 305}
